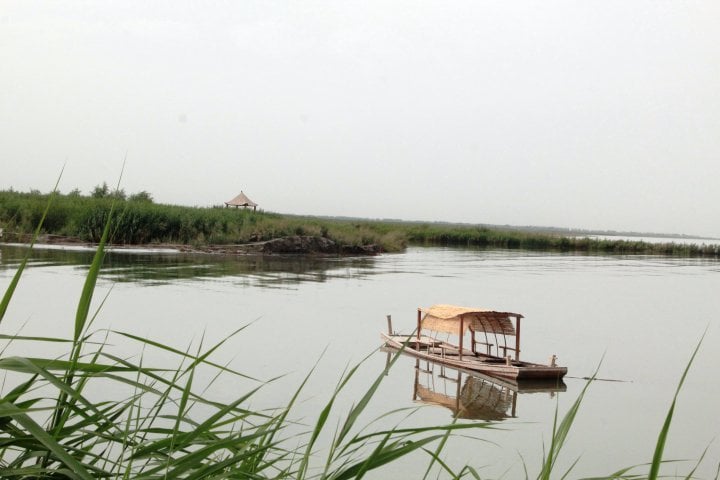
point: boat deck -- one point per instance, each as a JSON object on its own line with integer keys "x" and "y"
{"x": 442, "y": 352}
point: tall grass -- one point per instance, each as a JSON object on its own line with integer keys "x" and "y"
{"x": 144, "y": 222}
{"x": 515, "y": 239}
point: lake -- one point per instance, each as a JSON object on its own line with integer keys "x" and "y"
{"x": 637, "y": 317}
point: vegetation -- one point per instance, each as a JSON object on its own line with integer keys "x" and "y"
{"x": 515, "y": 239}
{"x": 141, "y": 221}
{"x": 55, "y": 422}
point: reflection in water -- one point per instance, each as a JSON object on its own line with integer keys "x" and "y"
{"x": 472, "y": 395}
{"x": 152, "y": 268}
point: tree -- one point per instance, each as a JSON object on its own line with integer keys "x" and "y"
{"x": 100, "y": 191}
{"x": 142, "y": 196}
{"x": 119, "y": 194}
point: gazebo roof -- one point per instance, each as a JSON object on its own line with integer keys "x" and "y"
{"x": 241, "y": 201}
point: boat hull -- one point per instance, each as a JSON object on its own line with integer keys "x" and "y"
{"x": 494, "y": 366}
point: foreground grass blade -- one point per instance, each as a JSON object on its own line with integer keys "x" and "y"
{"x": 189, "y": 356}
{"x": 45, "y": 439}
{"x": 383, "y": 456}
{"x": 16, "y": 278}
{"x": 83, "y": 307}
{"x": 355, "y": 411}
{"x": 560, "y": 432}
{"x": 662, "y": 437}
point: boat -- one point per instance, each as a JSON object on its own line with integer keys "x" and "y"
{"x": 493, "y": 346}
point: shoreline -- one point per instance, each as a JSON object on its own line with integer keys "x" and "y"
{"x": 290, "y": 245}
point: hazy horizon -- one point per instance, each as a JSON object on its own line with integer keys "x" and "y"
{"x": 584, "y": 115}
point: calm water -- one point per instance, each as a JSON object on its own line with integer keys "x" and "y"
{"x": 642, "y": 316}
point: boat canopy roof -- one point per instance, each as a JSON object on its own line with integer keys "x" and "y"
{"x": 446, "y": 318}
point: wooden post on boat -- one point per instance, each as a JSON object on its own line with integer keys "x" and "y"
{"x": 417, "y": 379}
{"x": 462, "y": 321}
{"x": 419, "y": 325}
{"x": 389, "y": 319}
{"x": 517, "y": 338}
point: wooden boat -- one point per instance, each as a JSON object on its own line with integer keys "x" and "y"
{"x": 494, "y": 342}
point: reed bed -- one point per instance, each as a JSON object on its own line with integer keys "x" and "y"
{"x": 515, "y": 239}
{"x": 139, "y": 221}
{"x": 144, "y": 222}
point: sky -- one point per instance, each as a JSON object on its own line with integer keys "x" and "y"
{"x": 579, "y": 114}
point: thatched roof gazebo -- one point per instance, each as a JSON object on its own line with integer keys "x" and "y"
{"x": 241, "y": 201}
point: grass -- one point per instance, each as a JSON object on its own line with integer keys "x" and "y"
{"x": 161, "y": 423}
{"x": 142, "y": 222}
{"x": 516, "y": 239}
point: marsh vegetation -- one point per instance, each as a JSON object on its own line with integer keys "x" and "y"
{"x": 140, "y": 221}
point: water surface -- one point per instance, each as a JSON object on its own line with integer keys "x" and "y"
{"x": 641, "y": 316}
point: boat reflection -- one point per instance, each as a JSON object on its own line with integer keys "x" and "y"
{"x": 472, "y": 395}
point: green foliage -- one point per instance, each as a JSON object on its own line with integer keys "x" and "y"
{"x": 514, "y": 239}
{"x": 100, "y": 191}
{"x": 142, "y": 196}
{"x": 141, "y": 221}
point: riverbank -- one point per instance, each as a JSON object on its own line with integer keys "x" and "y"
{"x": 215, "y": 229}
{"x": 298, "y": 245}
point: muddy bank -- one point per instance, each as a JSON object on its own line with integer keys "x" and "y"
{"x": 296, "y": 244}
{"x": 293, "y": 245}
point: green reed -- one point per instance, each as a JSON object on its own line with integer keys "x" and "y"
{"x": 143, "y": 222}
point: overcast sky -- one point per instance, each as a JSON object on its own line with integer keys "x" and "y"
{"x": 588, "y": 114}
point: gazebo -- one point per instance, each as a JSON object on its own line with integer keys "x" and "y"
{"x": 241, "y": 201}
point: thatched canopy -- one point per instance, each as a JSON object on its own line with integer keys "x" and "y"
{"x": 241, "y": 201}
{"x": 446, "y": 318}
